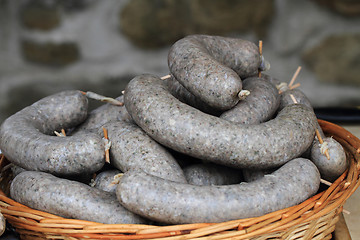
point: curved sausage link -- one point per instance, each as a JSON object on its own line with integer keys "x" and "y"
{"x": 258, "y": 107}
{"x": 190, "y": 131}
{"x": 176, "y": 203}
{"x": 69, "y": 199}
{"x": 333, "y": 167}
{"x": 27, "y": 140}
{"x": 132, "y": 148}
{"x": 211, "y": 67}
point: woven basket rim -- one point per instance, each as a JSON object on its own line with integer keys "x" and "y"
{"x": 328, "y": 203}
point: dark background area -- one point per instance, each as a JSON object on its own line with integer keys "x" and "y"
{"x": 50, "y": 45}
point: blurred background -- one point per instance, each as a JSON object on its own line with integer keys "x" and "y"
{"x": 50, "y": 45}
{"x": 47, "y": 46}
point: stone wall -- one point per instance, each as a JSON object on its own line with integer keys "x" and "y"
{"x": 51, "y": 45}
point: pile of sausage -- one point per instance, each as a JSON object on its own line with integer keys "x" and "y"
{"x": 213, "y": 142}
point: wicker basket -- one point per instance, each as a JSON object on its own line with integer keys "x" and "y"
{"x": 313, "y": 219}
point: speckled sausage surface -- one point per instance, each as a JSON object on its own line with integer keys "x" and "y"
{"x": 16, "y": 170}
{"x": 212, "y": 174}
{"x": 251, "y": 175}
{"x": 258, "y": 107}
{"x": 103, "y": 114}
{"x": 27, "y": 138}
{"x": 330, "y": 169}
{"x": 106, "y": 180}
{"x": 132, "y": 148}
{"x": 273, "y": 80}
{"x": 300, "y": 97}
{"x": 188, "y": 130}
{"x": 177, "y": 203}
{"x": 210, "y": 66}
{"x": 181, "y": 93}
{"x": 69, "y": 199}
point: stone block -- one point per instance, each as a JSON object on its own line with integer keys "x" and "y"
{"x": 336, "y": 59}
{"x": 39, "y": 16}
{"x": 155, "y": 23}
{"x": 349, "y": 8}
{"x": 50, "y": 53}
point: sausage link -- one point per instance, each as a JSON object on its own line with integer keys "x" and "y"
{"x": 211, "y": 67}
{"x": 27, "y": 139}
{"x": 299, "y": 96}
{"x": 177, "y": 203}
{"x": 251, "y": 175}
{"x": 181, "y": 93}
{"x": 106, "y": 180}
{"x": 258, "y": 107}
{"x": 103, "y": 114}
{"x": 332, "y": 168}
{"x": 190, "y": 131}
{"x": 212, "y": 174}
{"x": 274, "y": 81}
{"x": 132, "y": 148}
{"x": 69, "y": 199}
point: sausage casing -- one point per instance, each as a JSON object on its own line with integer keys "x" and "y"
{"x": 176, "y": 203}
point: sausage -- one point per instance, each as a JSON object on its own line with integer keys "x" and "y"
{"x": 190, "y": 131}
{"x": 177, "y": 203}
{"x": 107, "y": 180}
{"x": 258, "y": 107}
{"x": 299, "y": 96}
{"x": 184, "y": 160}
{"x": 181, "y": 93}
{"x": 251, "y": 175}
{"x": 281, "y": 86}
{"x": 103, "y": 114}
{"x": 69, "y": 199}
{"x": 16, "y": 170}
{"x": 27, "y": 140}
{"x": 212, "y": 174}
{"x": 132, "y": 148}
{"x": 330, "y": 169}
{"x": 211, "y": 67}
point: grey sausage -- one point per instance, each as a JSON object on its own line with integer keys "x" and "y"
{"x": 103, "y": 114}
{"x": 330, "y": 169}
{"x": 299, "y": 96}
{"x": 181, "y": 93}
{"x": 273, "y": 80}
{"x": 16, "y": 170}
{"x": 132, "y": 148}
{"x": 190, "y": 131}
{"x": 211, "y": 67}
{"x": 107, "y": 180}
{"x": 212, "y": 174}
{"x": 178, "y": 203}
{"x": 251, "y": 175}
{"x": 27, "y": 138}
{"x": 258, "y": 107}
{"x": 69, "y": 199}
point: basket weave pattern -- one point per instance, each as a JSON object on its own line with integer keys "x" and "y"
{"x": 315, "y": 218}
